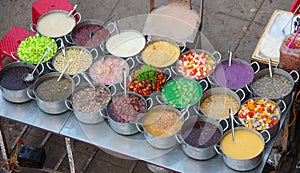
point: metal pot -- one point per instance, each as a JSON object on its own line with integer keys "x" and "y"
{"x": 231, "y": 76}
{"x": 160, "y": 52}
{"x": 197, "y": 74}
{"x": 77, "y": 62}
{"x": 286, "y": 97}
{"x": 87, "y": 22}
{"x": 37, "y": 27}
{"x": 124, "y": 128}
{"x": 91, "y": 117}
{"x": 132, "y": 78}
{"x": 163, "y": 100}
{"x": 19, "y": 95}
{"x": 221, "y": 91}
{"x": 242, "y": 164}
{"x": 162, "y": 142}
{"x": 198, "y": 153}
{"x": 51, "y": 107}
{"x": 107, "y": 69}
{"x": 272, "y": 130}
{"x": 126, "y": 43}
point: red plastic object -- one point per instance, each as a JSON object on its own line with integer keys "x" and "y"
{"x": 41, "y": 7}
{"x": 11, "y": 41}
{"x": 295, "y": 6}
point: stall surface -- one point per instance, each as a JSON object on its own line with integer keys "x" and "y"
{"x": 225, "y": 22}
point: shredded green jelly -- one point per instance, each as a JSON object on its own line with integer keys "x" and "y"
{"x": 182, "y": 92}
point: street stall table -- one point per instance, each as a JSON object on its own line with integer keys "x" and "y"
{"x": 133, "y": 146}
{"x": 104, "y": 137}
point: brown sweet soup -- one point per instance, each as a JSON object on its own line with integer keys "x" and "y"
{"x": 126, "y": 108}
{"x": 51, "y": 90}
{"x": 89, "y": 100}
{"x": 162, "y": 122}
{"x": 81, "y": 36}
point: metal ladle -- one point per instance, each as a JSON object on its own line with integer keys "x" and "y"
{"x": 231, "y": 124}
{"x": 28, "y": 77}
{"x": 88, "y": 80}
{"x": 229, "y": 56}
{"x": 65, "y": 69}
{"x": 74, "y": 8}
{"x": 102, "y": 26}
{"x": 124, "y": 80}
{"x": 270, "y": 68}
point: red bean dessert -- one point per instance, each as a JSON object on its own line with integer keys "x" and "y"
{"x": 12, "y": 78}
{"x": 202, "y": 135}
{"x": 126, "y": 108}
{"x": 82, "y": 35}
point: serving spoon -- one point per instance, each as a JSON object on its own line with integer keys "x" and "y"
{"x": 124, "y": 80}
{"x": 65, "y": 69}
{"x": 270, "y": 68}
{"x": 74, "y": 8}
{"x": 28, "y": 77}
{"x": 88, "y": 80}
{"x": 229, "y": 56}
{"x": 102, "y": 26}
{"x": 231, "y": 123}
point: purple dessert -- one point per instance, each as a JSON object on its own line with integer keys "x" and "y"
{"x": 236, "y": 76}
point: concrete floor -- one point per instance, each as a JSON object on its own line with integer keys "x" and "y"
{"x": 235, "y": 23}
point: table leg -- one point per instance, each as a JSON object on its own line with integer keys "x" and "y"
{"x": 70, "y": 154}
{"x": 3, "y": 148}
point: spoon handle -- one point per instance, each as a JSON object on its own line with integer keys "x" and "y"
{"x": 42, "y": 58}
{"x": 65, "y": 69}
{"x": 74, "y": 8}
{"x": 270, "y": 68}
{"x": 229, "y": 56}
{"x": 87, "y": 79}
{"x": 124, "y": 80}
{"x": 102, "y": 26}
{"x": 232, "y": 125}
